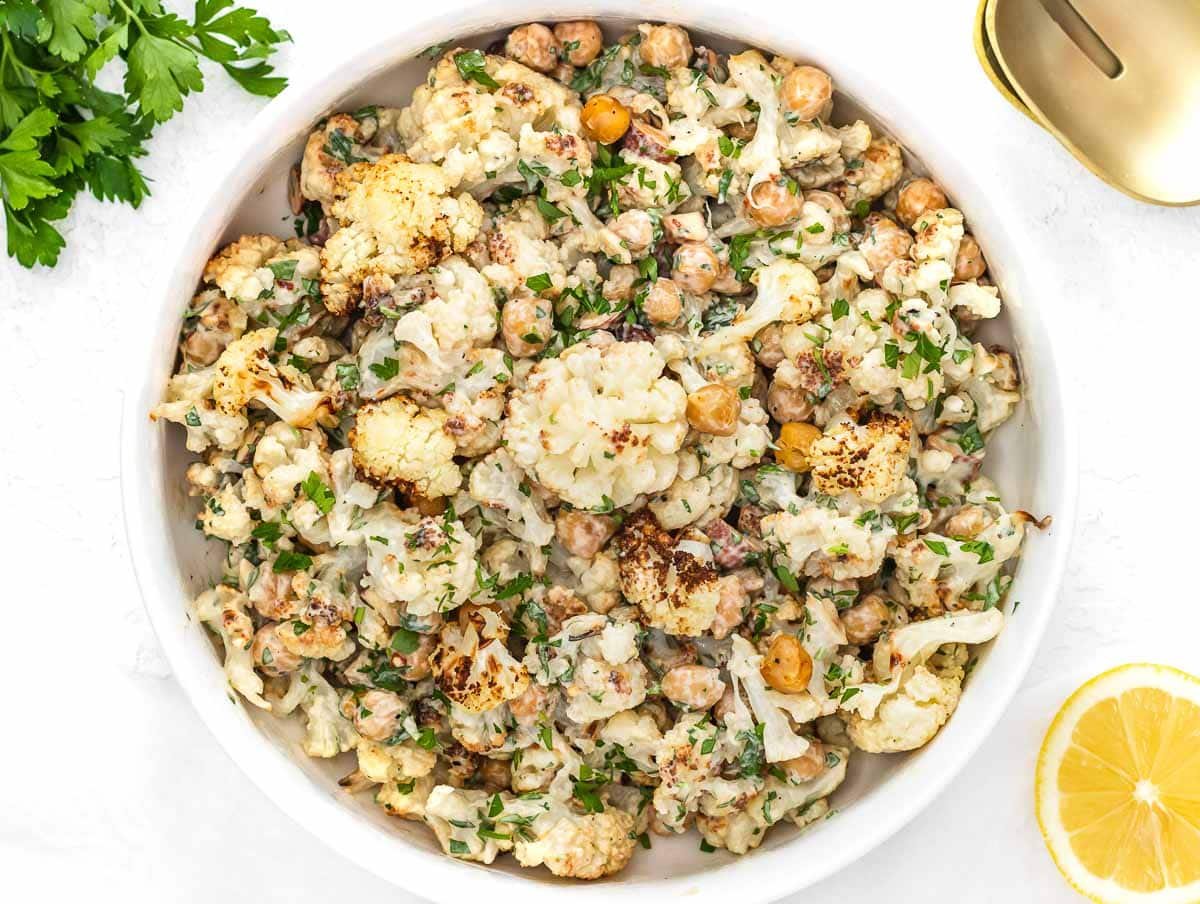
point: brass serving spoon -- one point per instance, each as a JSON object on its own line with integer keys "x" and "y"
{"x": 1116, "y": 81}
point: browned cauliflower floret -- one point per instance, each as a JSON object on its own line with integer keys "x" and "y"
{"x": 397, "y": 218}
{"x": 399, "y": 444}
{"x": 582, "y": 847}
{"x": 472, "y": 666}
{"x": 245, "y": 373}
{"x": 673, "y": 583}
{"x": 873, "y": 174}
{"x": 868, "y": 458}
{"x": 341, "y": 140}
{"x": 909, "y": 718}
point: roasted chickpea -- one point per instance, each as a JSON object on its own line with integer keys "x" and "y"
{"x": 605, "y": 119}
{"x": 695, "y": 267}
{"x": 494, "y": 775}
{"x": 917, "y": 198}
{"x": 619, "y": 284}
{"x": 969, "y": 521}
{"x": 768, "y": 350}
{"x": 428, "y": 506}
{"x": 530, "y": 706}
{"x": 693, "y": 686}
{"x": 685, "y": 227}
{"x": 885, "y": 242}
{"x": 526, "y": 325}
{"x": 664, "y": 302}
{"x": 805, "y": 92}
{"x": 636, "y": 229}
{"x": 583, "y": 534}
{"x": 580, "y": 41}
{"x": 970, "y": 263}
{"x": 788, "y": 403}
{"x": 774, "y": 201}
{"x": 534, "y": 45}
{"x": 865, "y": 620}
{"x": 271, "y": 657}
{"x": 808, "y": 765}
{"x": 377, "y": 714}
{"x": 795, "y": 444}
{"x": 415, "y": 665}
{"x": 666, "y": 46}
{"x": 731, "y": 606}
{"x": 833, "y": 204}
{"x": 714, "y": 409}
{"x": 786, "y": 665}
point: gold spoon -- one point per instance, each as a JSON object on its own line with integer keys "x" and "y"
{"x": 1116, "y": 81}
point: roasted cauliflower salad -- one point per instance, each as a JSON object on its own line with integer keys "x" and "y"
{"x": 602, "y": 458}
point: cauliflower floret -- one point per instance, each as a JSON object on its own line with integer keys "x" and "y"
{"x": 470, "y": 126}
{"x": 497, "y": 482}
{"x": 406, "y": 799}
{"x": 223, "y": 609}
{"x": 771, "y": 708}
{"x": 284, "y": 458}
{"x": 212, "y": 321}
{"x": 701, "y": 493}
{"x": 189, "y": 403}
{"x": 823, "y": 541}
{"x": 264, "y": 275}
{"x": 674, "y": 583}
{"x": 477, "y": 673}
{"x": 599, "y": 425}
{"x": 872, "y": 174}
{"x": 910, "y": 717}
{"x": 244, "y": 373}
{"x": 742, "y": 827}
{"x": 226, "y": 517}
{"x": 328, "y": 732}
{"x": 397, "y": 443}
{"x": 426, "y": 563}
{"x": 590, "y": 846}
{"x": 687, "y": 759}
{"x": 787, "y": 291}
{"x": 397, "y": 218}
{"x": 382, "y": 763}
{"x": 868, "y": 458}
{"x": 634, "y": 736}
{"x": 599, "y": 689}
{"x": 519, "y": 247}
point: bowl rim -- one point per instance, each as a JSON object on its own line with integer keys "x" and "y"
{"x": 764, "y": 876}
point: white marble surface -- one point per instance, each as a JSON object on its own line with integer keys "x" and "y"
{"x": 110, "y": 786}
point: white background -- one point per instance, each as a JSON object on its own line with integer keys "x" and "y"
{"x": 110, "y": 788}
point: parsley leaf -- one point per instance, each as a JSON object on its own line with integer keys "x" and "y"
{"x": 471, "y": 65}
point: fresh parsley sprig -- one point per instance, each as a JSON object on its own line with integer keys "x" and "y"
{"x": 61, "y": 133}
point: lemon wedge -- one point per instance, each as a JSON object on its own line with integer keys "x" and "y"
{"x": 1118, "y": 787}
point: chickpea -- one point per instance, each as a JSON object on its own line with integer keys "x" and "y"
{"x": 685, "y": 227}
{"x": 794, "y": 446}
{"x": 774, "y": 202}
{"x": 969, "y": 521}
{"x": 805, "y": 92}
{"x": 787, "y": 667}
{"x": 415, "y": 665}
{"x": 271, "y": 657}
{"x": 769, "y": 344}
{"x": 378, "y": 713}
{"x": 534, "y": 45}
{"x": 494, "y": 775}
{"x": 731, "y": 606}
{"x": 583, "y": 534}
{"x": 788, "y": 403}
{"x": 666, "y": 46}
{"x": 605, "y": 119}
{"x": 530, "y": 705}
{"x": 865, "y": 620}
{"x": 636, "y": 229}
{"x": 695, "y": 267}
{"x": 917, "y": 198}
{"x": 970, "y": 263}
{"x": 664, "y": 302}
{"x": 526, "y": 326}
{"x": 693, "y": 686}
{"x": 619, "y": 285}
{"x": 808, "y": 765}
{"x": 727, "y": 282}
{"x": 884, "y": 243}
{"x": 833, "y": 204}
{"x": 581, "y": 41}
{"x": 426, "y": 506}
{"x": 714, "y": 409}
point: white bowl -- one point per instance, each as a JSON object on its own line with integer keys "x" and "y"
{"x": 1033, "y": 459}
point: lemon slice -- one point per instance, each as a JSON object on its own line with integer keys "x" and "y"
{"x": 1118, "y": 787}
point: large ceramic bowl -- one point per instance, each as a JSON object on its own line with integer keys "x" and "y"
{"x": 1032, "y": 458}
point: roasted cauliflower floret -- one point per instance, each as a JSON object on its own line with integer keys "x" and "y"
{"x": 909, "y": 718}
{"x": 674, "y": 583}
{"x": 344, "y": 139}
{"x": 245, "y": 373}
{"x": 399, "y": 444}
{"x": 223, "y": 609}
{"x": 590, "y": 846}
{"x": 397, "y": 218}
{"x": 599, "y": 425}
{"x": 868, "y": 458}
{"x": 477, "y": 672}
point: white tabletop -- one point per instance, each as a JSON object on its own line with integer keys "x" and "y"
{"x": 111, "y": 787}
